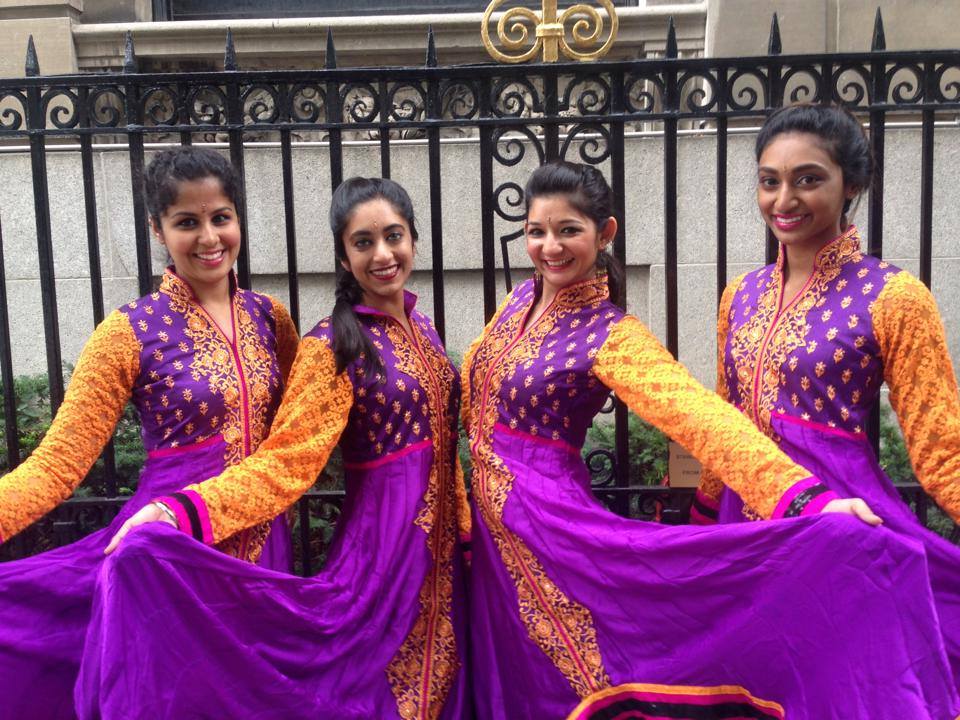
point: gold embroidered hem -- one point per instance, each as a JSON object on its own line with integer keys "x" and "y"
{"x": 562, "y": 628}
{"x": 422, "y": 672}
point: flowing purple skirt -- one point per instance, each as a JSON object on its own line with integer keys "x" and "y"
{"x": 45, "y": 599}
{"x": 848, "y": 466}
{"x": 824, "y": 616}
{"x": 179, "y": 630}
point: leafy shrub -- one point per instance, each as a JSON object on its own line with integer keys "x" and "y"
{"x": 647, "y": 447}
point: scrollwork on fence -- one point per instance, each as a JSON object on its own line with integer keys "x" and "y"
{"x": 590, "y": 35}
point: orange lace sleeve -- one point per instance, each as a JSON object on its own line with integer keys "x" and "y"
{"x": 287, "y": 337}
{"x": 923, "y": 385}
{"x": 634, "y": 364}
{"x": 101, "y": 384}
{"x": 706, "y": 501}
{"x": 311, "y": 417}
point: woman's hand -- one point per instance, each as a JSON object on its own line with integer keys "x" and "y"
{"x": 855, "y": 507}
{"x": 149, "y": 513}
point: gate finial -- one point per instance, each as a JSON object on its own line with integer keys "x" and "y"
{"x": 330, "y": 62}
{"x": 549, "y": 30}
{"x": 229, "y": 53}
{"x": 774, "y": 46}
{"x": 32, "y": 66}
{"x": 879, "y": 37}
{"x": 672, "y": 51}
{"x": 129, "y": 55}
{"x": 431, "y": 48}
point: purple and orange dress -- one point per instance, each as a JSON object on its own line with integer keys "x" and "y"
{"x": 205, "y": 402}
{"x": 378, "y": 633}
{"x": 579, "y": 613}
{"x": 808, "y": 370}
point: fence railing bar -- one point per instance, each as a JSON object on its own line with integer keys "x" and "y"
{"x": 235, "y": 135}
{"x": 383, "y": 128}
{"x": 135, "y": 134}
{"x": 306, "y": 552}
{"x": 498, "y": 122}
{"x": 93, "y": 257}
{"x": 275, "y": 144}
{"x": 41, "y": 209}
{"x": 878, "y": 119}
{"x": 618, "y": 183}
{"x": 11, "y": 434}
{"x": 670, "y": 262}
{"x": 332, "y": 107}
{"x": 722, "y": 275}
{"x": 926, "y": 198}
{"x": 488, "y": 248}
{"x": 436, "y": 194}
{"x": 290, "y": 225}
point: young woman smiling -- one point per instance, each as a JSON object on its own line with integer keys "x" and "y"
{"x": 578, "y": 612}
{"x": 204, "y": 363}
{"x": 805, "y": 345}
{"x": 380, "y": 632}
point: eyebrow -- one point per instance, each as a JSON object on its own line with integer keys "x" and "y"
{"x": 225, "y": 208}
{"x": 800, "y": 168}
{"x": 368, "y": 231}
{"x": 561, "y": 220}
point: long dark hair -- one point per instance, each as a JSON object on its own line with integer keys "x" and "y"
{"x": 587, "y": 191}
{"x": 173, "y": 166}
{"x": 349, "y": 340}
{"x": 841, "y": 136}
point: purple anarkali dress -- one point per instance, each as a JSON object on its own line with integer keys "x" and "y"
{"x": 204, "y": 402}
{"x": 577, "y": 612}
{"x": 182, "y": 631}
{"x": 808, "y": 371}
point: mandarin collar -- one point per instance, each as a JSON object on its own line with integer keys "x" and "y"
{"x": 175, "y": 286}
{"x": 409, "y": 302}
{"x": 584, "y": 292}
{"x": 832, "y": 255}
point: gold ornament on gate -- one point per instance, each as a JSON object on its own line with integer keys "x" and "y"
{"x": 550, "y": 31}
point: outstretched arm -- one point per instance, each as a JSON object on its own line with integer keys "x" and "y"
{"x": 634, "y": 364}
{"x": 314, "y": 412}
{"x": 923, "y": 385}
{"x": 101, "y": 384}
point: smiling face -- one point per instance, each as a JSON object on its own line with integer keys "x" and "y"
{"x": 201, "y": 232}
{"x": 563, "y": 242}
{"x": 801, "y": 191}
{"x": 379, "y": 252}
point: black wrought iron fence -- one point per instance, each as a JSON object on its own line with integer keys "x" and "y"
{"x": 516, "y": 114}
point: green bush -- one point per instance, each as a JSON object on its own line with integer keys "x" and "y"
{"x": 893, "y": 452}
{"x": 647, "y": 448}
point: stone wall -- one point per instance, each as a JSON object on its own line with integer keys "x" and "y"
{"x": 742, "y": 27}
{"x": 461, "y": 238}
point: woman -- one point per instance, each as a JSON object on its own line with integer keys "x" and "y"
{"x": 204, "y": 363}
{"x": 806, "y": 343}
{"x": 576, "y": 611}
{"x": 379, "y": 633}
